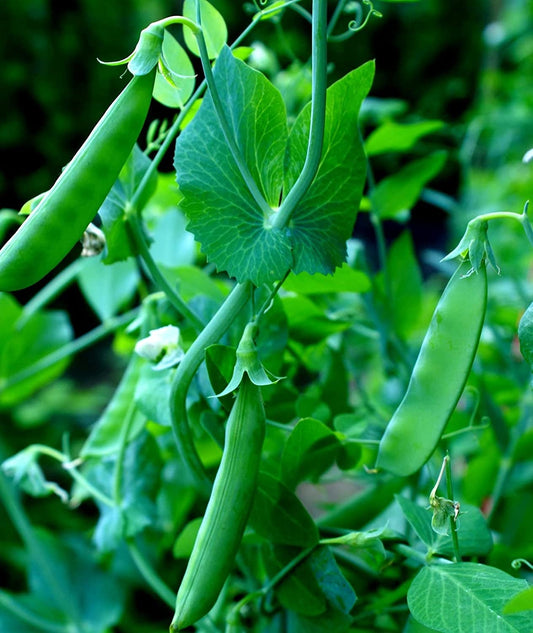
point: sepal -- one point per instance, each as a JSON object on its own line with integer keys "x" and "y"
{"x": 248, "y": 362}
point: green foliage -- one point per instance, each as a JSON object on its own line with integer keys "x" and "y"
{"x": 114, "y": 432}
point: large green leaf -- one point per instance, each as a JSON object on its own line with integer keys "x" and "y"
{"x": 222, "y": 213}
{"x": 466, "y": 597}
{"x": 324, "y": 218}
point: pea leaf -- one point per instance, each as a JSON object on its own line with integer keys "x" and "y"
{"x": 118, "y": 245}
{"x": 108, "y": 288}
{"x": 310, "y": 450}
{"x": 344, "y": 279}
{"x": 136, "y": 509}
{"x": 334, "y": 585}
{"x": 476, "y": 594}
{"x": 222, "y": 213}
{"x": 324, "y": 218}
{"x": 299, "y": 591}
{"x": 152, "y": 394}
{"x": 279, "y": 516}
{"x": 402, "y": 307}
{"x": 225, "y": 219}
{"x": 24, "y": 344}
{"x": 398, "y": 137}
{"x": 315, "y": 589}
{"x": 213, "y": 26}
{"x": 523, "y": 601}
{"x": 179, "y": 70}
{"x": 307, "y": 322}
{"x": 66, "y": 555}
{"x": 106, "y": 435}
{"x": 397, "y": 194}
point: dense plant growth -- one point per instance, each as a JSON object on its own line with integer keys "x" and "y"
{"x": 302, "y": 434}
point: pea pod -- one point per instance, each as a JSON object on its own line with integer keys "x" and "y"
{"x": 439, "y": 375}
{"x": 60, "y": 219}
{"x": 227, "y": 511}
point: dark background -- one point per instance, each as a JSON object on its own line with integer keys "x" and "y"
{"x": 54, "y": 90}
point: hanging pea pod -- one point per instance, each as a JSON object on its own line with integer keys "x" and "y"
{"x": 227, "y": 511}
{"x": 439, "y": 375}
{"x": 62, "y": 216}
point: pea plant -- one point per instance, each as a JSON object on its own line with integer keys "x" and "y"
{"x": 286, "y": 409}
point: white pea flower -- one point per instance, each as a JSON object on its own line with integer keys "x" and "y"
{"x": 528, "y": 156}
{"x": 161, "y": 347}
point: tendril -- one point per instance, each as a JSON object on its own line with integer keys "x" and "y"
{"x": 360, "y": 20}
{"x": 518, "y": 562}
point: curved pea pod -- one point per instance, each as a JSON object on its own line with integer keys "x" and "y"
{"x": 62, "y": 216}
{"x": 439, "y": 374}
{"x": 525, "y": 335}
{"x": 227, "y": 511}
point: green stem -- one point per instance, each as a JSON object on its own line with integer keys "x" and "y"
{"x": 85, "y": 483}
{"x": 24, "y": 614}
{"x": 123, "y": 441}
{"x": 318, "y": 116}
{"x": 51, "y": 290}
{"x": 37, "y": 552}
{"x": 81, "y": 343}
{"x": 185, "y": 372}
{"x": 233, "y": 616}
{"x": 271, "y": 297}
{"x": 223, "y": 121}
{"x": 136, "y": 232}
{"x": 522, "y": 218}
{"x": 453, "y": 519}
{"x": 150, "y": 575}
{"x": 335, "y": 17}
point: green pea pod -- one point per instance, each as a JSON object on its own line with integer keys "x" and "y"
{"x": 439, "y": 375}
{"x": 227, "y": 511}
{"x": 60, "y": 219}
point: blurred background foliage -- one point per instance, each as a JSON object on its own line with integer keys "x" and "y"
{"x": 467, "y": 63}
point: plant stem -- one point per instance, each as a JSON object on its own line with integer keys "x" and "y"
{"x": 453, "y": 519}
{"x": 334, "y": 18}
{"x": 185, "y": 372}
{"x": 507, "y": 463}
{"x": 150, "y": 576}
{"x": 81, "y": 343}
{"x": 318, "y": 117}
{"x": 233, "y": 616}
{"x": 223, "y": 121}
{"x": 136, "y": 232}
